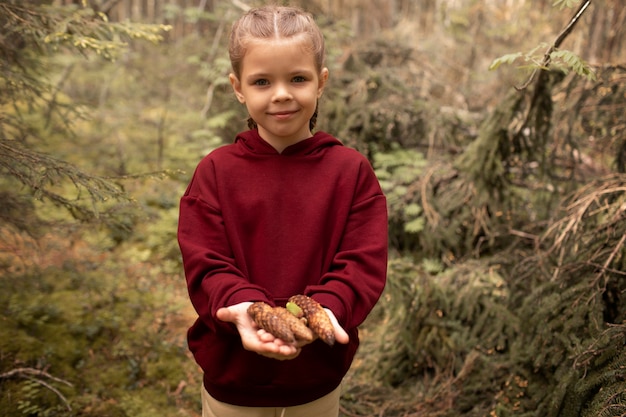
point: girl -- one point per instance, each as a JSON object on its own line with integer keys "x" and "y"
{"x": 279, "y": 212}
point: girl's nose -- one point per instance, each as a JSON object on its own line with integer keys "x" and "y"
{"x": 281, "y": 93}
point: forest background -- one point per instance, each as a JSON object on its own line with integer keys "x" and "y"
{"x": 506, "y": 190}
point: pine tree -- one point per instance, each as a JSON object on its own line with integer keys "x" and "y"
{"x": 32, "y": 109}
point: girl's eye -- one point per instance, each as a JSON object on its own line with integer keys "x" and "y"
{"x": 299, "y": 79}
{"x": 261, "y": 82}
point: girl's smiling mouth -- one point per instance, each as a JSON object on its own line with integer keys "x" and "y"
{"x": 283, "y": 114}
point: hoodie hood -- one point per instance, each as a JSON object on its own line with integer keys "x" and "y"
{"x": 251, "y": 141}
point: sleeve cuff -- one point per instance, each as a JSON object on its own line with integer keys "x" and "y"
{"x": 334, "y": 304}
{"x": 248, "y": 294}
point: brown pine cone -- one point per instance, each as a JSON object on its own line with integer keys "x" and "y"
{"x": 271, "y": 321}
{"x": 297, "y": 326}
{"x": 316, "y": 316}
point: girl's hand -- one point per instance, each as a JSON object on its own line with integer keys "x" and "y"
{"x": 255, "y": 339}
{"x": 340, "y": 334}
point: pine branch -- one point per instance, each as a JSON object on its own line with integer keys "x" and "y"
{"x": 557, "y": 42}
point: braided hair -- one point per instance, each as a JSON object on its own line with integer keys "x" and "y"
{"x": 275, "y": 22}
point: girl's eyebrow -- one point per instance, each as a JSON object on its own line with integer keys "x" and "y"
{"x": 257, "y": 75}
{"x": 302, "y": 71}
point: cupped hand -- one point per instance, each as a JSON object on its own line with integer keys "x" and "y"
{"x": 255, "y": 339}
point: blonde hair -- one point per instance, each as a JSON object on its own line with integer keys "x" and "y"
{"x": 275, "y": 22}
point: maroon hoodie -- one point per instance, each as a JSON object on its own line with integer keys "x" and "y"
{"x": 258, "y": 225}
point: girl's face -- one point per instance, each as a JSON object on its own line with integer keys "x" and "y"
{"x": 280, "y": 85}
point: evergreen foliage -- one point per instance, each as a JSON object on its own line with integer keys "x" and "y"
{"x": 438, "y": 318}
{"x": 88, "y": 335}
{"x": 545, "y": 321}
{"x": 35, "y": 111}
{"x": 551, "y": 342}
{"x": 506, "y": 281}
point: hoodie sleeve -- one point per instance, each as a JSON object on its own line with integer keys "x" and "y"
{"x": 358, "y": 274}
{"x": 213, "y": 278}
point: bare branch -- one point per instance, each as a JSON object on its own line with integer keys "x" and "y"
{"x": 53, "y": 389}
{"x": 108, "y": 5}
{"x": 30, "y": 372}
{"x": 36, "y": 375}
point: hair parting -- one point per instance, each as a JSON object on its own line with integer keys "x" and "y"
{"x": 274, "y": 22}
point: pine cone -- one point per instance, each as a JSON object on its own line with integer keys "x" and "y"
{"x": 271, "y": 321}
{"x": 297, "y": 326}
{"x": 317, "y": 319}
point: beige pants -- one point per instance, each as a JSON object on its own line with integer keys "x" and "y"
{"x": 327, "y": 406}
